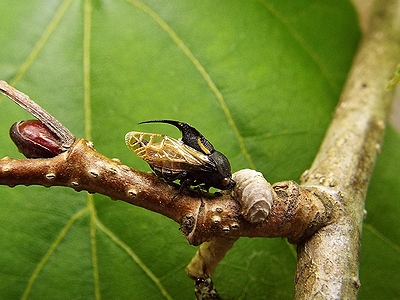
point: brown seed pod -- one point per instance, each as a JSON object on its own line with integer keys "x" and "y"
{"x": 34, "y": 139}
{"x": 254, "y": 194}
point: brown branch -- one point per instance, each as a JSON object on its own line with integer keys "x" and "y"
{"x": 253, "y": 209}
{"x": 328, "y": 262}
{"x": 295, "y": 214}
{"x": 204, "y": 263}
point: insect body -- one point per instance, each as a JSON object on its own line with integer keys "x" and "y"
{"x": 192, "y": 159}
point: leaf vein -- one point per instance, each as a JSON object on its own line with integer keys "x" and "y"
{"x": 135, "y": 258}
{"x": 203, "y": 72}
{"x": 314, "y": 56}
{"x": 92, "y": 230}
{"x": 51, "y": 250}
{"x": 383, "y": 238}
{"x": 41, "y": 42}
{"x": 86, "y": 68}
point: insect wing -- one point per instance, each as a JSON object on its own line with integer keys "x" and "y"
{"x": 135, "y": 140}
{"x": 190, "y": 135}
{"x": 167, "y": 153}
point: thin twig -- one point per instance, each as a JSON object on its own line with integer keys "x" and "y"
{"x": 295, "y": 214}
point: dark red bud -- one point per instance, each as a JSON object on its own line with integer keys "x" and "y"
{"x": 34, "y": 139}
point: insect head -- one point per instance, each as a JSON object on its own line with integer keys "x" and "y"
{"x": 192, "y": 159}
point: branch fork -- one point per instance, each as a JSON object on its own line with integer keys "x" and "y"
{"x": 253, "y": 209}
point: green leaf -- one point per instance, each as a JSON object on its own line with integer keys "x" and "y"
{"x": 259, "y": 79}
{"x": 380, "y": 253}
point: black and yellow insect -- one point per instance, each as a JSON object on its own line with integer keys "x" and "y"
{"x": 192, "y": 159}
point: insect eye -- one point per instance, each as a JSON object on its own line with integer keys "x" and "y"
{"x": 226, "y": 181}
